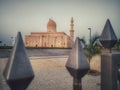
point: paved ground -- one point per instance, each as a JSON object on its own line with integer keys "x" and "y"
{"x": 51, "y": 74}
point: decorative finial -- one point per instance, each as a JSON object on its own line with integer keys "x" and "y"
{"x": 77, "y": 63}
{"x": 50, "y": 18}
{"x": 108, "y": 38}
{"x": 18, "y": 72}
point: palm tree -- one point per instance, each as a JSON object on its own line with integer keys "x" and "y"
{"x": 117, "y": 46}
{"x": 82, "y": 40}
{"x": 93, "y": 48}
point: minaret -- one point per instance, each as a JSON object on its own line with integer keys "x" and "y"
{"x": 71, "y": 29}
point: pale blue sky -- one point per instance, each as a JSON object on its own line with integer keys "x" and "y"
{"x": 32, "y": 16}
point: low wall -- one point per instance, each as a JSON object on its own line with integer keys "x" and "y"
{"x": 37, "y": 52}
{"x": 95, "y": 63}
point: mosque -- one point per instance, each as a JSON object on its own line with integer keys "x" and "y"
{"x": 51, "y": 38}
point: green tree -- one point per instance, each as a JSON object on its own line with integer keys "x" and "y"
{"x": 82, "y": 40}
{"x": 92, "y": 48}
{"x": 117, "y": 45}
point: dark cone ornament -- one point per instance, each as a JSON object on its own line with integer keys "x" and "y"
{"x": 108, "y": 38}
{"x": 18, "y": 72}
{"x": 110, "y": 62}
{"x": 77, "y": 63}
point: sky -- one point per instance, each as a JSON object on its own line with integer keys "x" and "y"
{"x": 33, "y": 15}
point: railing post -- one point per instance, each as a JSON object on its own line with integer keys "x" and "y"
{"x": 18, "y": 72}
{"x": 77, "y": 64}
{"x": 109, "y": 60}
{"x": 77, "y": 84}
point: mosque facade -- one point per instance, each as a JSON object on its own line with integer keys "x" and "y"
{"x": 51, "y": 38}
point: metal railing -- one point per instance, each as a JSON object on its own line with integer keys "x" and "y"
{"x": 18, "y": 72}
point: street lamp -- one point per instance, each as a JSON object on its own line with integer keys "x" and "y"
{"x": 90, "y": 34}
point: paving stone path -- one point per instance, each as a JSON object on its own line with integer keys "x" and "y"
{"x": 51, "y": 74}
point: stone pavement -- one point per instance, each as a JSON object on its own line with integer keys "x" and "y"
{"x": 51, "y": 74}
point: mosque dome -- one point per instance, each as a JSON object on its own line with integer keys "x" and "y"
{"x": 51, "y": 23}
{"x": 51, "y": 26}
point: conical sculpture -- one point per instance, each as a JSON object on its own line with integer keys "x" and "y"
{"x": 18, "y": 72}
{"x": 77, "y": 64}
{"x": 108, "y": 38}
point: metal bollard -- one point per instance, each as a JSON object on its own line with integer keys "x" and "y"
{"x": 77, "y": 64}
{"x": 18, "y": 72}
{"x": 109, "y": 60}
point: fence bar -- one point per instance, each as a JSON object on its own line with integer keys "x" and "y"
{"x": 18, "y": 72}
{"x": 77, "y": 64}
{"x": 77, "y": 85}
{"x": 109, "y": 59}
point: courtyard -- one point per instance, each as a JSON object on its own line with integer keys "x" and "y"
{"x": 51, "y": 74}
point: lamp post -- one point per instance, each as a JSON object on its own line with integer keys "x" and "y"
{"x": 90, "y": 34}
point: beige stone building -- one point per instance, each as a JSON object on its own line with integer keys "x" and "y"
{"x": 51, "y": 38}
